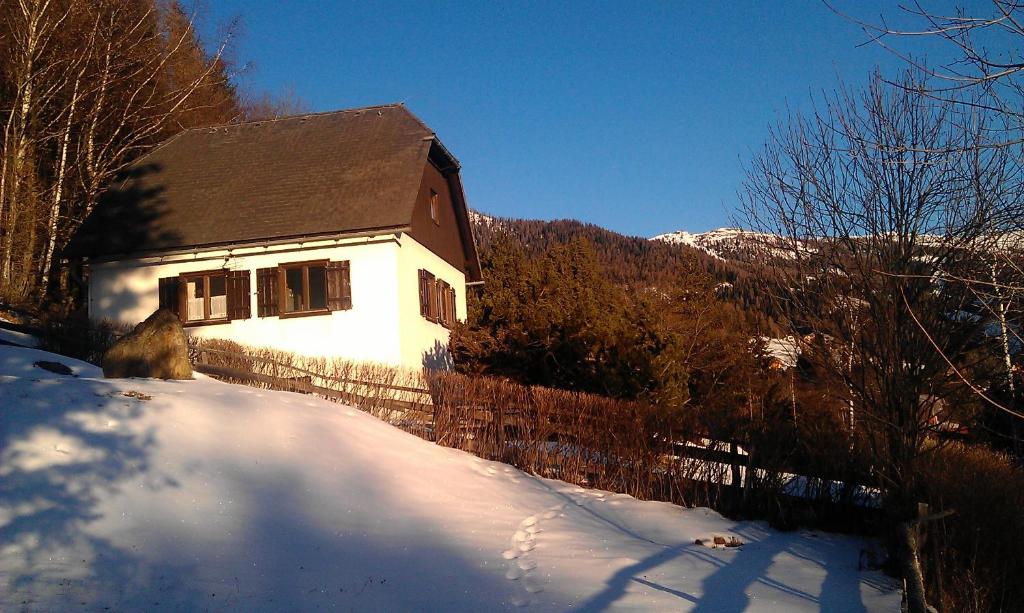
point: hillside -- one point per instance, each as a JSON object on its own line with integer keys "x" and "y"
{"x": 200, "y": 495}
{"x": 729, "y": 256}
{"x": 626, "y": 259}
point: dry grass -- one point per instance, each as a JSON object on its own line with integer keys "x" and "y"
{"x": 80, "y": 339}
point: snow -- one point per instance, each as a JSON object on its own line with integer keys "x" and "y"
{"x": 720, "y": 243}
{"x": 483, "y": 219}
{"x": 18, "y": 338}
{"x": 198, "y": 494}
{"x": 786, "y": 350}
{"x": 728, "y": 243}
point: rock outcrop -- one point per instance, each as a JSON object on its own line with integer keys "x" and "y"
{"x": 156, "y": 348}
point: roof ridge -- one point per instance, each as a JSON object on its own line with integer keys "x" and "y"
{"x": 359, "y": 109}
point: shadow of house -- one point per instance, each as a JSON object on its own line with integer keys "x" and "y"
{"x": 438, "y": 357}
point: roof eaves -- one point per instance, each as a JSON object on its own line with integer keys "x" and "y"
{"x": 228, "y": 245}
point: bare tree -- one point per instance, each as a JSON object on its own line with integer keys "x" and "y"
{"x": 984, "y": 73}
{"x": 985, "y": 45}
{"x": 881, "y": 197}
{"x": 85, "y": 87}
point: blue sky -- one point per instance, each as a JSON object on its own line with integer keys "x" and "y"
{"x": 634, "y": 116}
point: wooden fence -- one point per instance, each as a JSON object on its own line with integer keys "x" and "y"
{"x": 582, "y": 438}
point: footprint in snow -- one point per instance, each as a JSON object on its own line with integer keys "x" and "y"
{"x": 521, "y": 565}
{"x": 533, "y": 585}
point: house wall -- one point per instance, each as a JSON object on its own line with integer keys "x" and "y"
{"x": 383, "y": 325}
{"x": 127, "y": 292}
{"x": 423, "y": 342}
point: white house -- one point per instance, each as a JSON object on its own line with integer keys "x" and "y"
{"x": 340, "y": 234}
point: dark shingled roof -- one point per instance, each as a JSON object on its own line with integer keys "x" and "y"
{"x": 320, "y": 174}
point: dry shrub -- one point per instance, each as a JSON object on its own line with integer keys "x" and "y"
{"x": 80, "y": 337}
{"x": 225, "y": 353}
{"x": 976, "y": 555}
{"x": 580, "y": 438}
{"x": 395, "y": 395}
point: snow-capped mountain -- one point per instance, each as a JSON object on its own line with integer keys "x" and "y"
{"x": 732, "y": 243}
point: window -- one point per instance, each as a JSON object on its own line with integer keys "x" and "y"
{"x": 213, "y": 296}
{"x": 304, "y": 288}
{"x": 206, "y": 297}
{"x": 435, "y": 208}
{"x": 437, "y": 300}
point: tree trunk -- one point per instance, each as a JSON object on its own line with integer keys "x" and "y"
{"x": 910, "y": 567}
{"x": 737, "y": 479}
{"x": 58, "y": 189}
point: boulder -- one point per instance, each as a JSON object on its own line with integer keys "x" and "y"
{"x": 156, "y": 348}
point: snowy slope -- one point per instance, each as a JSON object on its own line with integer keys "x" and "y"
{"x": 203, "y": 495}
{"x": 734, "y": 243}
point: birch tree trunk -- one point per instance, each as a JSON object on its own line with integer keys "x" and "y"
{"x": 58, "y": 189}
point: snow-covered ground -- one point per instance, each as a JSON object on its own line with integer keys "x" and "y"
{"x": 18, "y": 338}
{"x": 186, "y": 495}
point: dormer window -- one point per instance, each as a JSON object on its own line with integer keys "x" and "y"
{"x": 435, "y": 208}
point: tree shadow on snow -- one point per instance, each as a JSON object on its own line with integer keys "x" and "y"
{"x": 725, "y": 590}
{"x": 66, "y": 452}
{"x": 64, "y": 449}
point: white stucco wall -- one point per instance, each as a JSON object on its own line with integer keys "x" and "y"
{"x": 383, "y": 325}
{"x": 423, "y": 342}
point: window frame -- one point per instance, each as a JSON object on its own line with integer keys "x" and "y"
{"x": 183, "y": 300}
{"x": 435, "y": 207}
{"x": 282, "y": 289}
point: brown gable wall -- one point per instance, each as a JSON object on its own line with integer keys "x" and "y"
{"x": 443, "y": 239}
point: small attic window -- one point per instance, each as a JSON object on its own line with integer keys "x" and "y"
{"x": 435, "y": 208}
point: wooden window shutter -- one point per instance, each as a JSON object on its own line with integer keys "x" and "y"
{"x": 439, "y": 301}
{"x": 238, "y": 294}
{"x": 339, "y": 286}
{"x": 426, "y": 294}
{"x": 266, "y": 292}
{"x": 432, "y": 298}
{"x": 444, "y": 303}
{"x": 450, "y": 304}
{"x": 169, "y": 294}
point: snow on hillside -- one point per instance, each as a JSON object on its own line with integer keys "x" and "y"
{"x": 477, "y": 218}
{"x": 187, "y": 495}
{"x": 718, "y": 243}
